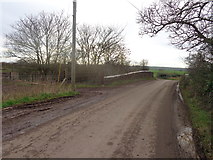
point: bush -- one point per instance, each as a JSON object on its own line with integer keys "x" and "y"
{"x": 200, "y": 80}
{"x": 197, "y": 90}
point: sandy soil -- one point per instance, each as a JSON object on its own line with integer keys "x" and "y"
{"x": 138, "y": 120}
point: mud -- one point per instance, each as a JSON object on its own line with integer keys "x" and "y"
{"x": 141, "y": 120}
{"x": 16, "y": 120}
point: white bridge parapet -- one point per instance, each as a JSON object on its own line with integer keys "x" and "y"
{"x": 125, "y": 74}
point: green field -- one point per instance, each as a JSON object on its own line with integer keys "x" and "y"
{"x": 168, "y": 74}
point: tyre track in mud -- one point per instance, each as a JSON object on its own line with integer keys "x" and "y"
{"x": 132, "y": 121}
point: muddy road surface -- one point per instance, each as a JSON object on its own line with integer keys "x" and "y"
{"x": 140, "y": 120}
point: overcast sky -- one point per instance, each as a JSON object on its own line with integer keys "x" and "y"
{"x": 120, "y": 13}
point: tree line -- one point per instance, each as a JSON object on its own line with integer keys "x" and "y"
{"x": 46, "y": 39}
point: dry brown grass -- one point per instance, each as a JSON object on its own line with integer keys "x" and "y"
{"x": 19, "y": 89}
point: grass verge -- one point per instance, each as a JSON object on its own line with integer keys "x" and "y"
{"x": 40, "y": 97}
{"x": 201, "y": 123}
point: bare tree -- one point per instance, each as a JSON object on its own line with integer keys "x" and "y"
{"x": 189, "y": 22}
{"x": 87, "y": 40}
{"x": 99, "y": 45}
{"x": 42, "y": 39}
{"x": 144, "y": 64}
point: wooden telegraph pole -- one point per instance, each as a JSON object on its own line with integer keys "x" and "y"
{"x": 73, "y": 46}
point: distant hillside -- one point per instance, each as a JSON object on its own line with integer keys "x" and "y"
{"x": 167, "y": 68}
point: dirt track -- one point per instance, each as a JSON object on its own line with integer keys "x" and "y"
{"x": 137, "y": 120}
